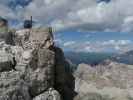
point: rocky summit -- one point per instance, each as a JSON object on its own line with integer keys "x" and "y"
{"x": 33, "y": 68}
{"x": 106, "y": 81}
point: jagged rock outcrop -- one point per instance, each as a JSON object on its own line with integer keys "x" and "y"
{"x": 51, "y": 94}
{"x": 13, "y": 87}
{"x": 6, "y": 58}
{"x": 40, "y": 71}
{"x": 106, "y": 81}
{"x": 6, "y": 61}
{"x": 39, "y": 67}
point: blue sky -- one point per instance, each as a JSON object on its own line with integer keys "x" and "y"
{"x": 79, "y": 25}
{"x": 116, "y": 42}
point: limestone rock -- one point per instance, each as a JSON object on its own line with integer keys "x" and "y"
{"x": 90, "y": 96}
{"x": 21, "y": 67}
{"x": 12, "y": 86}
{"x": 9, "y": 38}
{"x": 110, "y": 80}
{"x": 21, "y": 37}
{"x": 49, "y": 95}
{"x": 22, "y": 57}
{"x": 40, "y": 71}
{"x": 32, "y": 38}
{"x": 42, "y": 37}
{"x": 30, "y": 69}
{"x": 35, "y": 59}
{"x": 6, "y": 60}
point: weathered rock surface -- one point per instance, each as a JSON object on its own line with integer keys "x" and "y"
{"x": 13, "y": 87}
{"x": 44, "y": 38}
{"x": 40, "y": 71}
{"x": 48, "y": 95}
{"x": 107, "y": 81}
{"x": 32, "y": 38}
{"x": 33, "y": 66}
{"x": 6, "y": 60}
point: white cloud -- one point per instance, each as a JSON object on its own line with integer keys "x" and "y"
{"x": 58, "y": 41}
{"x": 69, "y": 43}
{"x": 128, "y": 24}
{"x": 87, "y": 49}
{"x": 6, "y": 12}
{"x": 87, "y": 35}
{"x": 119, "y": 46}
{"x": 117, "y": 15}
{"x": 87, "y": 43}
{"x": 117, "y": 42}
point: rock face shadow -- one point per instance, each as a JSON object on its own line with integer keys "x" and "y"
{"x": 64, "y": 80}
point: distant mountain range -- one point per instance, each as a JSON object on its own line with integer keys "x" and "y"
{"x": 126, "y": 58}
{"x": 96, "y": 58}
{"x": 88, "y": 58}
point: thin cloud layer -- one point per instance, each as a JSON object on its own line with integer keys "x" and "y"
{"x": 115, "y": 46}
